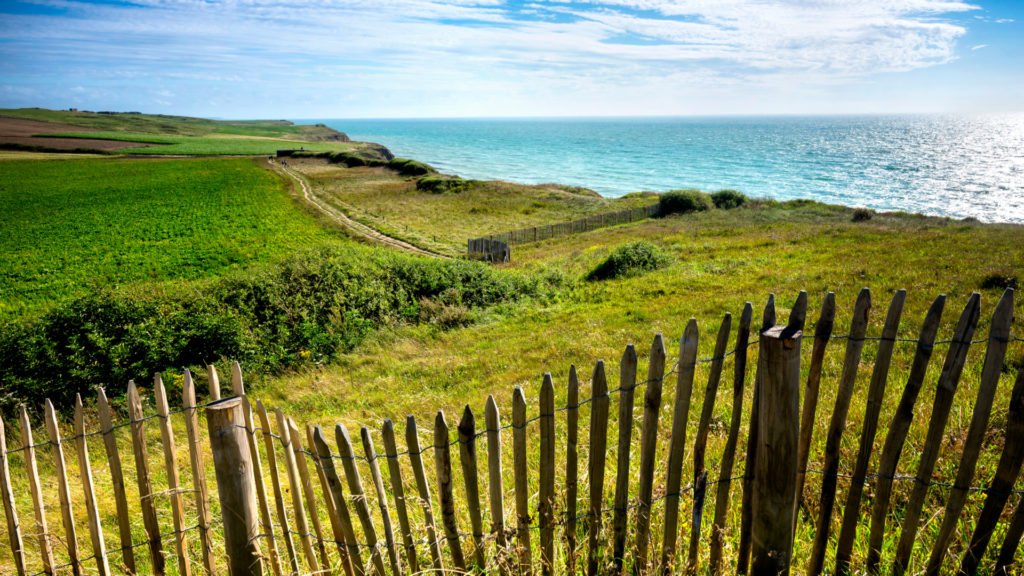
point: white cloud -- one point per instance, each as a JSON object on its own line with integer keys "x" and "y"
{"x": 478, "y": 52}
{"x": 978, "y": 47}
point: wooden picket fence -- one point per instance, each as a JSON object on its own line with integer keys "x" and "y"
{"x": 284, "y": 508}
{"x": 538, "y": 233}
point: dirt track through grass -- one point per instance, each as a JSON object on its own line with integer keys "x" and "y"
{"x": 357, "y": 228}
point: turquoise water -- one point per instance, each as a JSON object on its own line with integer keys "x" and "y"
{"x": 939, "y": 165}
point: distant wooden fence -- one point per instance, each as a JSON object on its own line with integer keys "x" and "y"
{"x": 489, "y": 250}
{"x": 538, "y": 233}
{"x": 283, "y": 506}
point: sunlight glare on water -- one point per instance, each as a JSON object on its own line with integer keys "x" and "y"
{"x": 959, "y": 166}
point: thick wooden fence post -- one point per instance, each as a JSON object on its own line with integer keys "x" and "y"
{"x": 238, "y": 388}
{"x": 778, "y": 434}
{"x": 236, "y": 485}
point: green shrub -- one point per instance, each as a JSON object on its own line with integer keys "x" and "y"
{"x": 684, "y": 201}
{"x": 630, "y": 259}
{"x": 728, "y": 199}
{"x": 306, "y": 309}
{"x": 861, "y": 215}
{"x": 442, "y": 184}
{"x": 999, "y": 281}
{"x": 407, "y": 167}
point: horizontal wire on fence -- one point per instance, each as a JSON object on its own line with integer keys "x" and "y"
{"x": 916, "y": 480}
{"x": 609, "y": 394}
{"x": 675, "y": 367}
{"x": 119, "y": 425}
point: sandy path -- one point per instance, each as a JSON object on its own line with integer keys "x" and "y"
{"x": 340, "y": 217}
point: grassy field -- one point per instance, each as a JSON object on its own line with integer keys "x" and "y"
{"x": 721, "y": 260}
{"x": 443, "y": 222}
{"x": 76, "y": 225}
{"x": 163, "y": 124}
{"x": 207, "y": 145}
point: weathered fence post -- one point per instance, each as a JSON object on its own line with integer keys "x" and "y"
{"x": 778, "y": 432}
{"x": 236, "y": 486}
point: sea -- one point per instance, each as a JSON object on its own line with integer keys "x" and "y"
{"x": 943, "y": 165}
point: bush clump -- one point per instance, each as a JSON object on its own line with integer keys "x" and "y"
{"x": 407, "y": 167}
{"x": 684, "y": 202}
{"x": 861, "y": 215}
{"x": 629, "y": 260}
{"x": 307, "y": 309}
{"x": 728, "y": 199}
{"x": 442, "y": 184}
{"x": 999, "y": 281}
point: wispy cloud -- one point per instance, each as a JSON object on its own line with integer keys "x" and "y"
{"x": 358, "y": 57}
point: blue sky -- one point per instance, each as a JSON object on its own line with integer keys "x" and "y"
{"x": 458, "y": 58}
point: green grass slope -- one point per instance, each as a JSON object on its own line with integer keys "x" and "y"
{"x": 443, "y": 222}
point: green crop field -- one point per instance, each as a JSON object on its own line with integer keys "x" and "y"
{"x": 163, "y": 124}
{"x": 214, "y": 145}
{"x": 72, "y": 226}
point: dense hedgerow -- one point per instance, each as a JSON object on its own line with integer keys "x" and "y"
{"x": 684, "y": 202}
{"x": 306, "y": 309}
{"x": 630, "y": 259}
